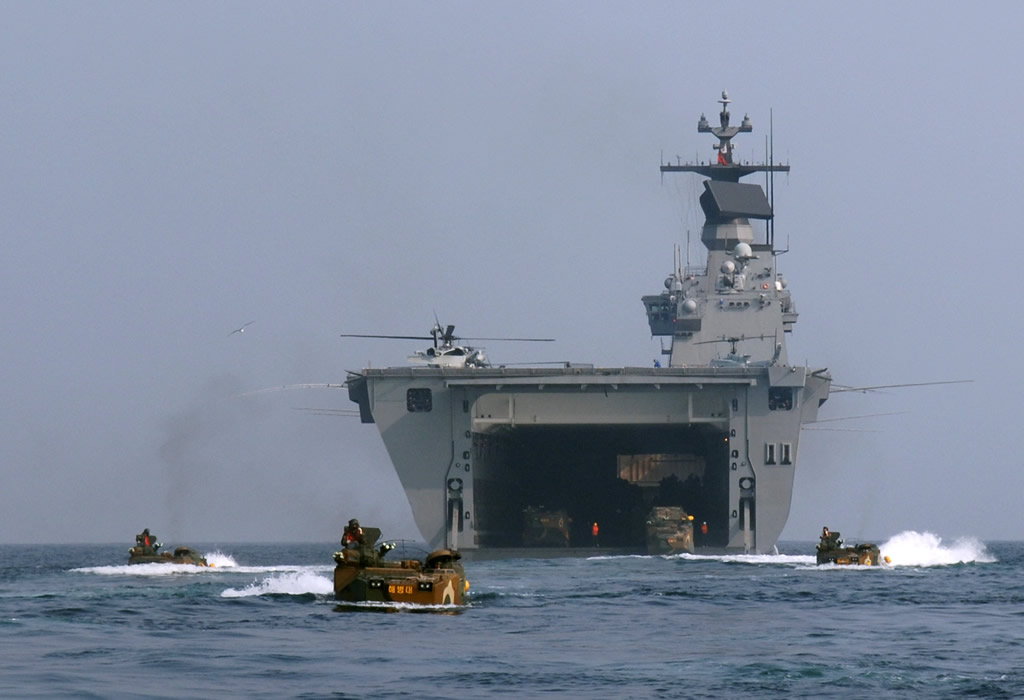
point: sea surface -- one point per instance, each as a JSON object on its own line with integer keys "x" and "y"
{"x": 945, "y": 619}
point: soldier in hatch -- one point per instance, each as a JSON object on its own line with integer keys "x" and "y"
{"x": 352, "y": 538}
{"x": 829, "y": 539}
{"x": 147, "y": 542}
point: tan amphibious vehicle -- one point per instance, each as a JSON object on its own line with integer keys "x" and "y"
{"x": 361, "y": 574}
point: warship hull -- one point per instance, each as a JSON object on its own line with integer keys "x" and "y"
{"x": 715, "y": 433}
{"x": 474, "y": 447}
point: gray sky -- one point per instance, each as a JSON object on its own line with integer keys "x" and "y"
{"x": 169, "y": 172}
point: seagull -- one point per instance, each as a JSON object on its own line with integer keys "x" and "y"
{"x": 242, "y": 329}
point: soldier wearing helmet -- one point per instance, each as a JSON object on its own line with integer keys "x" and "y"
{"x": 352, "y": 538}
{"x": 829, "y": 539}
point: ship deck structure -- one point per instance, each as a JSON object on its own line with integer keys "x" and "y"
{"x": 716, "y": 430}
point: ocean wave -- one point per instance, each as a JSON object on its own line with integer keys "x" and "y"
{"x": 301, "y": 582}
{"x": 388, "y": 606}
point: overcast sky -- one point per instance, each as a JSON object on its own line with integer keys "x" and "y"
{"x": 169, "y": 172}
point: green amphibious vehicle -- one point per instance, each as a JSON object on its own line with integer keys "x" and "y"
{"x": 147, "y": 551}
{"x": 830, "y": 550}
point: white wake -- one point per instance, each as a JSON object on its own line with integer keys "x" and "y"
{"x": 300, "y": 582}
{"x": 910, "y": 548}
{"x": 217, "y": 560}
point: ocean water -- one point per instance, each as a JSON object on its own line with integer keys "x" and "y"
{"x": 945, "y": 619}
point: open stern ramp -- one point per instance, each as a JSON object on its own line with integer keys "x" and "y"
{"x": 474, "y": 448}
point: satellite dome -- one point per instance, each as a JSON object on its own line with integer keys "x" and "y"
{"x": 743, "y": 251}
{"x": 689, "y": 306}
{"x": 729, "y": 267}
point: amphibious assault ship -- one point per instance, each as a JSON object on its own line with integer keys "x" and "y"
{"x": 716, "y": 430}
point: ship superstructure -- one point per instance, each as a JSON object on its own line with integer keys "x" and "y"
{"x": 716, "y": 430}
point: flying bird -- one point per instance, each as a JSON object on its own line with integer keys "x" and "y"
{"x": 241, "y": 329}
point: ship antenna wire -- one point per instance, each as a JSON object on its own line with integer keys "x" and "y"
{"x": 768, "y": 189}
{"x": 771, "y": 168}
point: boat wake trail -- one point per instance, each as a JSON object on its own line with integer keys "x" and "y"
{"x": 154, "y": 569}
{"x": 751, "y": 558}
{"x": 910, "y": 548}
{"x": 302, "y": 582}
{"x": 785, "y": 559}
{"x": 218, "y": 562}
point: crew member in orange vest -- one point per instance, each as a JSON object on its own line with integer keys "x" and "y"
{"x": 594, "y": 530}
{"x": 147, "y": 542}
{"x": 352, "y": 537}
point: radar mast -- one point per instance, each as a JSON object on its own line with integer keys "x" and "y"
{"x": 724, "y": 167}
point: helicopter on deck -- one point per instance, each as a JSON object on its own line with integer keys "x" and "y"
{"x": 734, "y": 359}
{"x": 446, "y": 350}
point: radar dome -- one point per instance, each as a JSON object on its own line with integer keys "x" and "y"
{"x": 689, "y": 306}
{"x": 728, "y": 267}
{"x": 743, "y": 251}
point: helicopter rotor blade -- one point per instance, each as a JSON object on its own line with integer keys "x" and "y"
{"x": 734, "y": 339}
{"x": 522, "y": 340}
{"x": 866, "y": 415}
{"x": 843, "y": 389}
{"x": 394, "y": 337}
{"x": 723, "y": 339}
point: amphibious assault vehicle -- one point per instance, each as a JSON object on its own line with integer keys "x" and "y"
{"x": 181, "y": 555}
{"x": 147, "y": 551}
{"x": 362, "y": 576}
{"x": 545, "y": 528}
{"x": 669, "y": 531}
{"x": 830, "y": 550}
